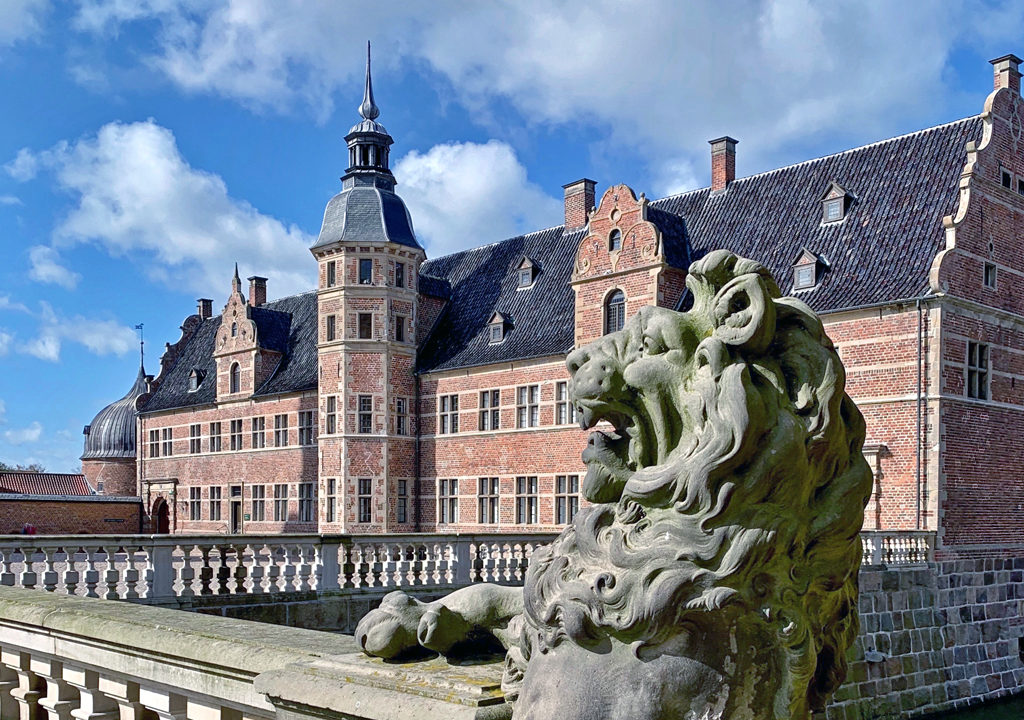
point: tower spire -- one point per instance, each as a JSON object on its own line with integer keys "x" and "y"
{"x": 368, "y": 109}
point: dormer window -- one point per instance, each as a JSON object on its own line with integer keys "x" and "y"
{"x": 496, "y": 328}
{"x": 527, "y": 272}
{"x": 807, "y": 270}
{"x": 615, "y": 240}
{"x": 834, "y": 203}
{"x": 195, "y": 379}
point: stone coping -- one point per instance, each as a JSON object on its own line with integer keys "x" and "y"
{"x": 70, "y": 498}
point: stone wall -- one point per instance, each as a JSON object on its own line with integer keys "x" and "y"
{"x": 935, "y": 638}
{"x": 70, "y": 514}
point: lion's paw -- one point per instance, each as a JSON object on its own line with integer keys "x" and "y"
{"x": 392, "y": 628}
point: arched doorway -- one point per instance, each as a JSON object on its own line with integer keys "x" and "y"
{"x": 161, "y": 516}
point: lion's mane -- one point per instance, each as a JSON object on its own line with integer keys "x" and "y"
{"x": 756, "y": 511}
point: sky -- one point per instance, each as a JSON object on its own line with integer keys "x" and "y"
{"x": 148, "y": 145}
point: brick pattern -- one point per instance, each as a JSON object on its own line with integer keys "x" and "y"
{"x": 63, "y": 516}
{"x": 112, "y": 477}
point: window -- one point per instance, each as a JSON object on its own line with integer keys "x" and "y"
{"x": 331, "y": 423}
{"x": 215, "y": 503}
{"x": 259, "y": 503}
{"x": 977, "y": 370}
{"x": 399, "y": 328}
{"x": 259, "y": 432}
{"x": 168, "y": 441}
{"x": 236, "y": 378}
{"x": 154, "y": 443}
{"x": 526, "y": 500}
{"x": 365, "y": 414}
{"x": 365, "y": 271}
{"x": 195, "y": 379}
{"x": 281, "y": 502}
{"x": 615, "y": 240}
{"x": 490, "y": 415}
{"x": 306, "y": 433}
{"x": 614, "y": 312}
{"x": 330, "y": 332}
{"x": 565, "y": 411}
{"x": 280, "y": 431}
{"x": 236, "y": 434}
{"x": 449, "y": 419}
{"x": 401, "y": 416}
{"x": 215, "y": 437}
{"x": 527, "y": 408}
{"x": 363, "y": 501}
{"x": 833, "y": 210}
{"x": 990, "y": 275}
{"x": 525, "y": 277}
{"x": 488, "y": 501}
{"x": 496, "y": 332}
{"x": 332, "y": 274}
{"x": 195, "y": 441}
{"x": 401, "y": 509}
{"x": 365, "y": 326}
{"x": 306, "y": 502}
{"x": 234, "y": 329}
{"x": 448, "y": 502}
{"x": 195, "y": 503}
{"x": 567, "y": 498}
{"x": 1007, "y": 179}
{"x": 399, "y": 274}
{"x": 803, "y": 276}
{"x": 332, "y": 500}
{"x": 1020, "y": 186}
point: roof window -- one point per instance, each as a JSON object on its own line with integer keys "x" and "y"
{"x": 527, "y": 272}
{"x": 834, "y": 203}
{"x": 195, "y": 379}
{"x": 807, "y": 270}
{"x": 497, "y": 328}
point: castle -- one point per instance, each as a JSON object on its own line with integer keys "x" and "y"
{"x": 411, "y": 394}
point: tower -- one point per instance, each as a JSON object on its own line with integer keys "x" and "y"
{"x": 369, "y": 263}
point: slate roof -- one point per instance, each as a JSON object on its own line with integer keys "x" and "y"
{"x": 484, "y": 281}
{"x": 287, "y": 326}
{"x": 882, "y": 251}
{"x": 366, "y": 210}
{"x": 111, "y": 434}
{"x": 44, "y": 483}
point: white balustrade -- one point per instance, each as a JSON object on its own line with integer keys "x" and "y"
{"x": 898, "y": 547}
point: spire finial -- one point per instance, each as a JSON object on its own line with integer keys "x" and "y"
{"x": 368, "y": 109}
{"x": 142, "y": 350}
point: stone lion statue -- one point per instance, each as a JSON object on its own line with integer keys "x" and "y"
{"x": 714, "y": 576}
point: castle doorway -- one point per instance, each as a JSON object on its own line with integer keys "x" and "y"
{"x": 161, "y": 516}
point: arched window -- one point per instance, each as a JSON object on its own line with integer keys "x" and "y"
{"x": 614, "y": 312}
{"x": 615, "y": 240}
{"x": 234, "y": 329}
{"x": 236, "y": 377}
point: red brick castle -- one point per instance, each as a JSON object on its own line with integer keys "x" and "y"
{"x": 407, "y": 394}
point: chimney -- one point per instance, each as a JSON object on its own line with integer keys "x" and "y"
{"x": 257, "y": 291}
{"x": 1007, "y": 73}
{"x": 579, "y": 199}
{"x": 205, "y": 308}
{"x": 723, "y": 162}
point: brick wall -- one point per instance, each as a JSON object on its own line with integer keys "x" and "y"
{"x": 69, "y": 515}
{"x": 112, "y": 477}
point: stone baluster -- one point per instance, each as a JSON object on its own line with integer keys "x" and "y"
{"x": 305, "y": 569}
{"x": 125, "y": 694}
{"x": 187, "y": 573}
{"x": 223, "y": 571}
{"x": 29, "y": 577}
{"x": 474, "y": 557}
{"x": 329, "y": 564}
{"x": 241, "y": 570}
{"x": 160, "y": 571}
{"x": 111, "y": 576}
{"x": 257, "y": 570}
{"x": 360, "y": 566}
{"x": 273, "y": 569}
{"x": 409, "y": 557}
{"x": 29, "y": 685}
{"x": 290, "y": 569}
{"x": 93, "y": 703}
{"x": 91, "y": 576}
{"x": 8, "y": 682}
{"x": 463, "y": 563}
{"x": 50, "y": 576}
{"x": 7, "y": 576}
{"x": 131, "y": 575}
{"x": 166, "y": 705}
{"x": 205, "y": 571}
{"x": 61, "y": 698}
{"x": 71, "y": 577}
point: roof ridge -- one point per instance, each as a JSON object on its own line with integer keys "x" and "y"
{"x": 826, "y": 157}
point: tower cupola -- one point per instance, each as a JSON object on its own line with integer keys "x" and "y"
{"x": 368, "y": 142}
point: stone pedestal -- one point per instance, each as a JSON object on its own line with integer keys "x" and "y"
{"x": 357, "y": 687}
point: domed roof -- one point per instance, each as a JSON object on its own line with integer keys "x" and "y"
{"x": 366, "y": 212}
{"x": 111, "y": 434}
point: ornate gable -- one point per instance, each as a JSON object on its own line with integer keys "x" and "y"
{"x": 620, "y": 237}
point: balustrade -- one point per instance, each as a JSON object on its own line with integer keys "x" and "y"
{"x": 897, "y": 547}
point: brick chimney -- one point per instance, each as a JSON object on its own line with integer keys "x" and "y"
{"x": 205, "y": 308}
{"x": 257, "y": 290}
{"x": 723, "y": 162}
{"x": 1007, "y": 73}
{"x": 579, "y": 200}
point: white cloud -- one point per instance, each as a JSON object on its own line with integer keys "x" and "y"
{"x": 20, "y": 19}
{"x": 10, "y": 200}
{"x": 136, "y": 195}
{"x": 28, "y": 434}
{"x": 100, "y": 337}
{"x": 462, "y": 195}
{"x": 6, "y": 340}
{"x": 773, "y": 73}
{"x": 24, "y": 166}
{"x": 3, "y": 412}
{"x": 7, "y": 304}
{"x": 46, "y": 268}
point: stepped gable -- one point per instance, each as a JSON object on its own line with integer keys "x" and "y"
{"x": 28, "y": 483}
{"x": 883, "y": 249}
{"x": 484, "y": 281}
{"x": 287, "y": 326}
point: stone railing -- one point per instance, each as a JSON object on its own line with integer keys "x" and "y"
{"x": 67, "y": 658}
{"x": 156, "y": 568}
{"x": 898, "y": 547}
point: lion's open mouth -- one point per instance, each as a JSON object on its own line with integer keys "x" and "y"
{"x": 612, "y": 454}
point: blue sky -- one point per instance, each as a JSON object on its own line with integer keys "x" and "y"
{"x": 146, "y": 146}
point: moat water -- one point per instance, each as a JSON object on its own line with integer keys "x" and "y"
{"x": 1011, "y": 710}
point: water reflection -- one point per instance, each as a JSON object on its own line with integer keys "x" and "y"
{"x": 1011, "y": 710}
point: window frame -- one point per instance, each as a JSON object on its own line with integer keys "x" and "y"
{"x": 281, "y": 430}
{"x": 565, "y": 410}
{"x": 989, "y": 275}
{"x": 235, "y": 378}
{"x": 448, "y": 501}
{"x": 448, "y": 414}
{"x": 235, "y": 434}
{"x": 331, "y": 415}
{"x": 401, "y": 416}
{"x": 307, "y": 495}
{"x": 400, "y": 328}
{"x": 257, "y": 502}
{"x": 528, "y": 406}
{"x": 614, "y": 322}
{"x": 154, "y": 443}
{"x": 490, "y": 411}
{"x": 978, "y": 370}
{"x": 307, "y": 428}
{"x": 167, "y": 442}
{"x": 332, "y": 274}
{"x": 399, "y": 274}
{"x": 195, "y": 438}
{"x": 488, "y": 501}
{"x": 281, "y": 502}
{"x": 331, "y": 329}
{"x": 364, "y": 326}
{"x": 366, "y": 264}
{"x": 402, "y": 502}
{"x": 195, "y": 504}
{"x": 258, "y": 428}
{"x": 803, "y": 268}
{"x": 567, "y": 498}
{"x": 364, "y": 500}
{"x": 215, "y": 443}
{"x": 615, "y": 240}
{"x": 215, "y": 498}
{"x": 364, "y": 414}
{"x": 527, "y": 500}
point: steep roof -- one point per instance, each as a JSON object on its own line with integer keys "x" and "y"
{"x": 29, "y": 483}
{"x": 287, "y": 326}
{"x": 111, "y": 434}
{"x": 882, "y": 251}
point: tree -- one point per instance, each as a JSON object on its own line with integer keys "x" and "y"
{"x": 33, "y": 468}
